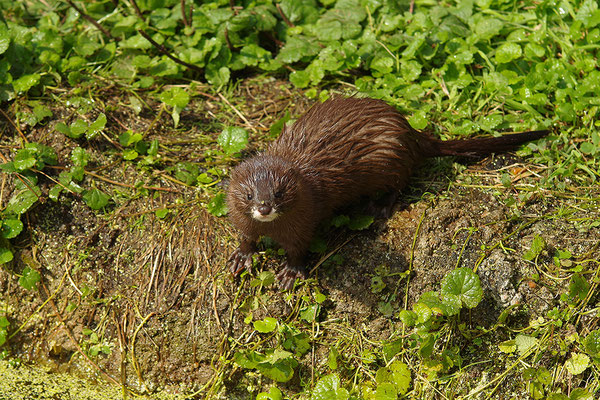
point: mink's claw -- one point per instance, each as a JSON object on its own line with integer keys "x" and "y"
{"x": 288, "y": 275}
{"x": 239, "y": 261}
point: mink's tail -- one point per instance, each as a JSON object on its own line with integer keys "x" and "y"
{"x": 478, "y": 146}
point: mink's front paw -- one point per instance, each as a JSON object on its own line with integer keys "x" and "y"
{"x": 288, "y": 275}
{"x": 240, "y": 261}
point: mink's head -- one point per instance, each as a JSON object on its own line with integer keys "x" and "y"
{"x": 264, "y": 188}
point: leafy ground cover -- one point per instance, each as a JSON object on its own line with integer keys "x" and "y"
{"x": 121, "y": 122}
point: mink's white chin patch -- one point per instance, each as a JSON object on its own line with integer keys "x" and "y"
{"x": 264, "y": 218}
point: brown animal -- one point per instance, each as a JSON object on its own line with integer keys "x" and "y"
{"x": 336, "y": 152}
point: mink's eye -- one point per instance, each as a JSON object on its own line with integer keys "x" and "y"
{"x": 249, "y": 196}
{"x": 278, "y": 194}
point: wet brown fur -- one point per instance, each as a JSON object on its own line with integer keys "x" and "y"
{"x": 335, "y": 153}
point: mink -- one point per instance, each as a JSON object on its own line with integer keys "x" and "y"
{"x": 335, "y": 153}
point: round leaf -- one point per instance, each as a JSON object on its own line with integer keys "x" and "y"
{"x": 592, "y": 343}
{"x": 508, "y": 52}
{"x": 5, "y": 255}
{"x": 10, "y": 228}
{"x": 266, "y": 325}
{"x": 29, "y": 279}
{"x": 273, "y": 394}
{"x": 577, "y": 363}
{"x": 4, "y": 37}
{"x": 218, "y": 206}
{"x": 95, "y": 199}
{"x": 465, "y": 284}
{"x": 418, "y": 120}
{"x": 524, "y": 343}
{"x": 328, "y": 388}
{"x": 233, "y": 139}
{"x": 175, "y": 97}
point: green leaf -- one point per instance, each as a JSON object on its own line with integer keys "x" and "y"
{"x": 537, "y": 246}
{"x": 3, "y": 332}
{"x": 578, "y": 287}
{"x": 24, "y": 159}
{"x": 78, "y": 128}
{"x": 386, "y": 391}
{"x": 4, "y": 37}
{"x": 96, "y": 126}
{"x": 408, "y": 318}
{"x": 128, "y": 138}
{"x": 383, "y": 64}
{"x": 153, "y": 149}
{"x": 489, "y": 122}
{"x": 465, "y": 284}
{"x": 592, "y": 343}
{"x": 29, "y": 278}
{"x": 486, "y": 28}
{"x": 410, "y": 70}
{"x": 360, "y": 222}
{"x": 23, "y": 200}
{"x": 577, "y": 363}
{"x": 581, "y": 394}
{"x": 233, "y": 139}
{"x": 296, "y": 48}
{"x": 329, "y": 388}
{"x": 423, "y": 312}
{"x": 79, "y": 157}
{"x": 310, "y": 313}
{"x": 130, "y": 154}
{"x": 64, "y": 129}
{"x": 77, "y": 174}
{"x": 524, "y": 343}
{"x": 533, "y": 50}
{"x": 507, "y": 52}
{"x": 397, "y": 374}
{"x": 161, "y": 213}
{"x": 217, "y": 76}
{"x": 5, "y": 255}
{"x": 508, "y": 346}
{"x": 26, "y": 82}
{"x": 329, "y": 29}
{"x": 281, "y": 371}
{"x": 217, "y": 205}
{"x": 273, "y": 394}
{"x": 588, "y": 148}
{"x": 266, "y": 325}
{"x": 332, "y": 358}
{"x": 11, "y": 228}
{"x": 95, "y": 199}
{"x": 418, "y": 120}
{"x": 175, "y": 97}
{"x": 300, "y": 79}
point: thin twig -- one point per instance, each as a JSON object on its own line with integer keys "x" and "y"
{"x": 184, "y": 16}
{"x": 229, "y": 45}
{"x": 93, "y": 22}
{"x": 232, "y": 6}
{"x": 136, "y": 9}
{"x": 136, "y": 365}
{"x": 237, "y": 112}
{"x": 166, "y": 52}
{"x": 283, "y": 16}
{"x": 14, "y": 125}
{"x": 130, "y": 186}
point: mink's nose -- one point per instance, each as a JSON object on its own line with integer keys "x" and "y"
{"x": 264, "y": 209}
